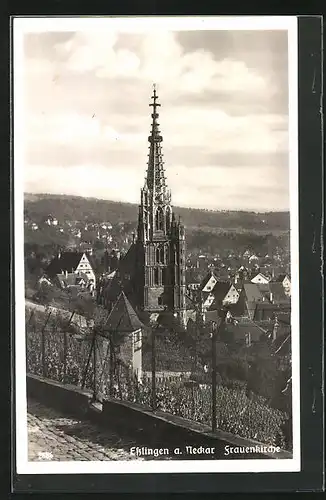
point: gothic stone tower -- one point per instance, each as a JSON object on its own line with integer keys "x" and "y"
{"x": 161, "y": 237}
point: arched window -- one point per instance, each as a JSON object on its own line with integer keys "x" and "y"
{"x": 155, "y": 276}
{"x": 168, "y": 218}
{"x": 159, "y": 219}
{"x": 160, "y": 255}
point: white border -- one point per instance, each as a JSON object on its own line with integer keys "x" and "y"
{"x": 130, "y": 24}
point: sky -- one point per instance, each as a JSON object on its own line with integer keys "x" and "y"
{"x": 223, "y": 115}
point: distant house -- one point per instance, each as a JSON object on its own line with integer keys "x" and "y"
{"x": 74, "y": 282}
{"x": 253, "y": 259}
{"x": 78, "y": 263}
{"x": 285, "y": 280}
{"x": 245, "y": 333}
{"x": 282, "y": 325}
{"x": 51, "y": 221}
{"x": 193, "y": 286}
{"x": 208, "y": 282}
{"x": 216, "y": 293}
{"x": 267, "y": 311}
{"x": 262, "y": 301}
{"x": 241, "y": 276}
{"x": 260, "y": 278}
{"x": 45, "y": 280}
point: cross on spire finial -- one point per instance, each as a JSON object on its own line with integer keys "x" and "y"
{"x": 154, "y": 104}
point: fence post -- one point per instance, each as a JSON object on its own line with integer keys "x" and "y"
{"x": 65, "y": 354}
{"x": 111, "y": 368}
{"x": 43, "y": 345}
{"x": 214, "y": 335}
{"x": 153, "y": 371}
{"x": 216, "y": 329}
{"x": 65, "y": 349}
{"x": 95, "y": 371}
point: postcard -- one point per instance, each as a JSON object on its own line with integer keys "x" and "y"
{"x": 156, "y": 244}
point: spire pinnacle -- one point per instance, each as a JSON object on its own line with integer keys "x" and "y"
{"x": 155, "y": 180}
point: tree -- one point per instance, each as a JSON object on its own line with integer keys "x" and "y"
{"x": 45, "y": 293}
{"x": 263, "y": 372}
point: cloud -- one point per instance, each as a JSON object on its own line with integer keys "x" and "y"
{"x": 224, "y": 109}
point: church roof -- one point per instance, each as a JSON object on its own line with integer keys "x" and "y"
{"x": 112, "y": 289}
{"x": 123, "y": 318}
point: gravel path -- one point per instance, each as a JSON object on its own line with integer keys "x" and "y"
{"x": 53, "y": 436}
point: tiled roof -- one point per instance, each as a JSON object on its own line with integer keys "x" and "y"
{"x": 71, "y": 279}
{"x": 67, "y": 261}
{"x": 237, "y": 332}
{"x": 112, "y": 289}
{"x": 279, "y": 278}
{"x": 123, "y": 318}
{"x": 219, "y": 291}
{"x": 284, "y": 318}
{"x": 266, "y": 310}
{"x": 252, "y": 292}
{"x": 278, "y": 293}
{"x": 206, "y": 279}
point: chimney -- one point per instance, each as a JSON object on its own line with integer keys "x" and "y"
{"x": 66, "y": 274}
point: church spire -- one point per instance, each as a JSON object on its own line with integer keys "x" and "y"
{"x": 155, "y": 178}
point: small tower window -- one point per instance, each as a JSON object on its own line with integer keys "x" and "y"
{"x": 160, "y": 255}
{"x": 156, "y": 276}
{"x": 168, "y": 219}
{"x": 159, "y": 219}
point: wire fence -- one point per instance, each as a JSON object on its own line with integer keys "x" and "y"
{"x": 94, "y": 363}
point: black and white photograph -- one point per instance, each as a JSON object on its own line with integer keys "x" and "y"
{"x": 156, "y": 245}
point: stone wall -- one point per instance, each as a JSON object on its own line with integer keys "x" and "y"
{"x": 151, "y": 429}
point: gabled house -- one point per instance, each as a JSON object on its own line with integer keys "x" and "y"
{"x": 208, "y": 282}
{"x": 224, "y": 293}
{"x": 285, "y": 280}
{"x": 253, "y": 259}
{"x": 78, "y": 263}
{"x": 75, "y": 282}
{"x": 46, "y": 280}
{"x": 260, "y": 278}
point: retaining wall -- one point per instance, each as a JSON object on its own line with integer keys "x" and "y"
{"x": 152, "y": 429}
